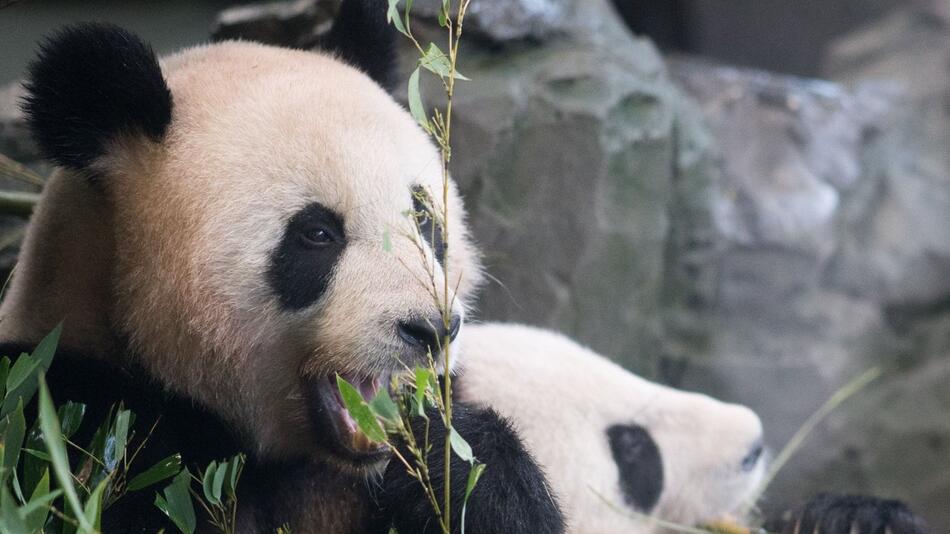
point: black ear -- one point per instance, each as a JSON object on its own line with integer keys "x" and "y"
{"x": 362, "y": 37}
{"x": 90, "y": 83}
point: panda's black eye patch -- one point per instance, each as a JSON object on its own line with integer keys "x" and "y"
{"x": 303, "y": 262}
{"x": 429, "y": 228}
{"x": 639, "y": 464}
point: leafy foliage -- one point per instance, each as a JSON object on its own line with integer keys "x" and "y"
{"x": 41, "y": 491}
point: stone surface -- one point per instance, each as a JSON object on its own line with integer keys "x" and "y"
{"x": 295, "y": 23}
{"x": 509, "y": 20}
{"x": 832, "y": 251}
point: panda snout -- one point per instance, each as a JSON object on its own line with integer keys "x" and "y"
{"x": 427, "y": 333}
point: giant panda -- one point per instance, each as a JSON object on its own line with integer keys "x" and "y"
{"x": 226, "y": 233}
{"x": 618, "y": 448}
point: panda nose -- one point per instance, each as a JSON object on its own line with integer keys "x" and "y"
{"x": 428, "y": 333}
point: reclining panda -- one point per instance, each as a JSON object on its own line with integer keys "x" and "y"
{"x": 617, "y": 448}
{"x": 213, "y": 242}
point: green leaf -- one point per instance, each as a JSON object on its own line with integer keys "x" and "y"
{"x": 164, "y": 469}
{"x": 70, "y": 417}
{"x": 416, "y": 108}
{"x": 460, "y": 446}
{"x": 13, "y": 439}
{"x": 176, "y": 503}
{"x": 4, "y": 372}
{"x": 221, "y": 472}
{"x": 53, "y": 438}
{"x": 39, "y": 454}
{"x": 235, "y": 467}
{"x": 36, "y": 461}
{"x": 93, "y": 510}
{"x": 387, "y": 241}
{"x": 11, "y": 520}
{"x": 47, "y": 347}
{"x": 360, "y": 411}
{"x": 393, "y": 17}
{"x": 474, "y": 474}
{"x": 21, "y": 380}
{"x": 122, "y": 422}
{"x": 422, "y": 384}
{"x": 436, "y": 61}
{"x": 207, "y": 482}
{"x": 37, "y": 510}
{"x": 384, "y": 407}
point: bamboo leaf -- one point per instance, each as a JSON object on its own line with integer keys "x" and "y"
{"x": 460, "y": 446}
{"x": 360, "y": 411}
{"x": 474, "y": 474}
{"x": 53, "y": 438}
{"x": 416, "y": 108}
{"x": 220, "y": 474}
{"x": 384, "y": 406}
{"x": 93, "y": 510}
{"x": 436, "y": 61}
{"x": 70, "y": 417}
{"x": 176, "y": 503}
{"x": 393, "y": 17}
{"x": 36, "y": 511}
{"x": 207, "y": 483}
{"x": 164, "y": 469}
{"x": 11, "y": 522}
{"x": 21, "y": 381}
{"x": 122, "y": 422}
{"x": 13, "y": 439}
{"x": 235, "y": 467}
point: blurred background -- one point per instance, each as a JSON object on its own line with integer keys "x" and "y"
{"x": 747, "y": 198}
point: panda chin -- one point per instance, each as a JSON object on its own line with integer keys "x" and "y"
{"x": 335, "y": 430}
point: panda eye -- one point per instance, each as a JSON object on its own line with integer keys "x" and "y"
{"x": 316, "y": 237}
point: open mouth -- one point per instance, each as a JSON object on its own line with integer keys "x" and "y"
{"x": 335, "y": 428}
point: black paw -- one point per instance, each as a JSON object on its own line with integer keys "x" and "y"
{"x": 849, "y": 514}
{"x": 511, "y": 497}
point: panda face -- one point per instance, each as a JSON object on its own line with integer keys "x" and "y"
{"x": 260, "y": 240}
{"x": 612, "y": 444}
{"x": 284, "y": 184}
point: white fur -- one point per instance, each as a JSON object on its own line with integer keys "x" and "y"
{"x": 562, "y": 397}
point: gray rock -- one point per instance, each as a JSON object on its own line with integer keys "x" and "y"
{"x": 15, "y": 140}
{"x": 509, "y": 20}
{"x": 294, "y": 23}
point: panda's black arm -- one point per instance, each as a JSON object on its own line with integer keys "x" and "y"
{"x": 511, "y": 497}
{"x": 831, "y": 513}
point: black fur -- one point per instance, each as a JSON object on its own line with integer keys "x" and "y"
{"x": 849, "y": 514}
{"x": 362, "y": 37}
{"x": 429, "y": 228}
{"x": 90, "y": 83}
{"x": 639, "y": 463}
{"x": 300, "y": 269}
{"x": 512, "y": 496}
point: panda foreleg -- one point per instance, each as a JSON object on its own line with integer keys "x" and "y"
{"x": 829, "y": 513}
{"x": 511, "y": 497}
